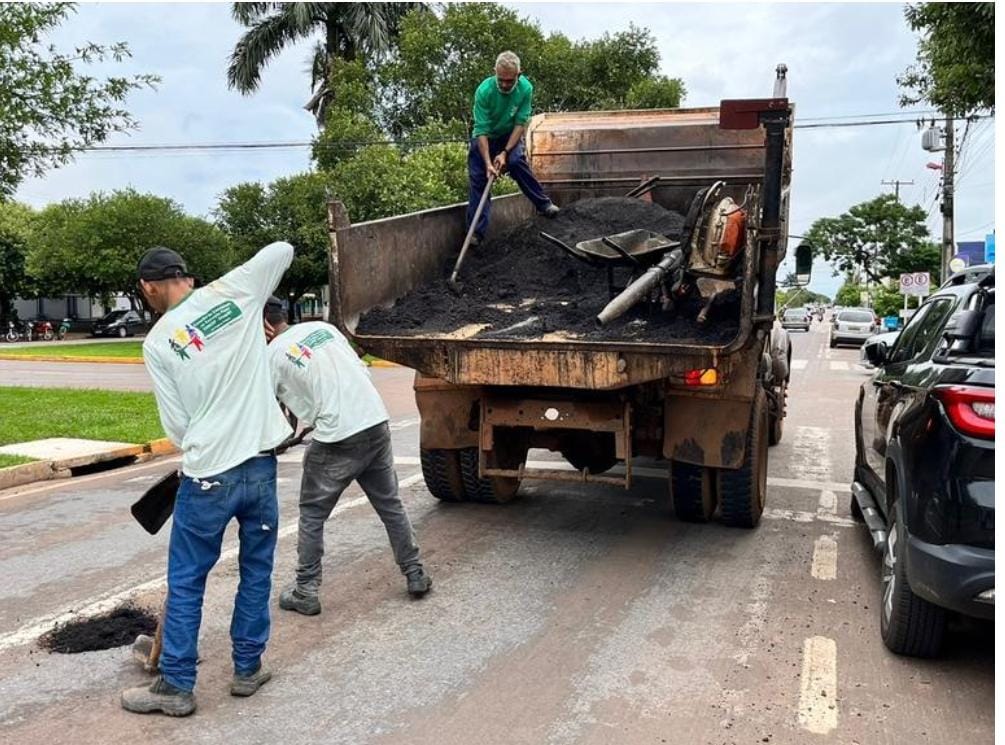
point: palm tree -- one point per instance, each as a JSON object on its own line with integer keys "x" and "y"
{"x": 350, "y": 30}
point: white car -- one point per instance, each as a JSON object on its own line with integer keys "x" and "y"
{"x": 853, "y": 326}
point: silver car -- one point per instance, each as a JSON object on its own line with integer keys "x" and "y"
{"x": 796, "y": 318}
{"x": 853, "y": 326}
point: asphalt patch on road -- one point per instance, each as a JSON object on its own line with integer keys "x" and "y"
{"x": 117, "y": 628}
{"x": 522, "y": 286}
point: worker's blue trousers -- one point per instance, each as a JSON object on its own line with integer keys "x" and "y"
{"x": 516, "y": 166}
{"x": 202, "y": 510}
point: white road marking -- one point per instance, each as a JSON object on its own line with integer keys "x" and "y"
{"x": 32, "y": 630}
{"x": 825, "y": 556}
{"x": 798, "y": 516}
{"x": 828, "y": 502}
{"x": 799, "y": 364}
{"x": 835, "y": 486}
{"x": 818, "y": 707}
{"x": 838, "y": 365}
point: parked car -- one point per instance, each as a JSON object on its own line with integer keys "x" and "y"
{"x": 796, "y": 318}
{"x": 853, "y": 326}
{"x": 924, "y": 466}
{"x": 121, "y": 323}
{"x": 888, "y": 338}
{"x": 974, "y": 273}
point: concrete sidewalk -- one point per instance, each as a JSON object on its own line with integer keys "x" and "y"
{"x": 55, "y": 457}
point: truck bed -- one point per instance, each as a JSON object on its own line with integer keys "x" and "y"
{"x": 375, "y": 264}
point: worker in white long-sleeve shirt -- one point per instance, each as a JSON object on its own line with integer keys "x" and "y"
{"x": 207, "y": 358}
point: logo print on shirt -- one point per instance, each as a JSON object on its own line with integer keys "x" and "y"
{"x": 297, "y": 354}
{"x": 195, "y": 334}
{"x": 182, "y": 339}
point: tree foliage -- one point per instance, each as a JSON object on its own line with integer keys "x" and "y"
{"x": 347, "y": 30}
{"x": 49, "y": 110}
{"x": 15, "y": 232}
{"x": 955, "y": 68}
{"x": 441, "y": 59}
{"x": 881, "y": 238}
{"x": 93, "y": 245}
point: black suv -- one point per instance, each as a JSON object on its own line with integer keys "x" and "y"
{"x": 119, "y": 323}
{"x": 924, "y": 466}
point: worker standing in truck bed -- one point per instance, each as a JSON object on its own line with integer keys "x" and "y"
{"x": 502, "y": 108}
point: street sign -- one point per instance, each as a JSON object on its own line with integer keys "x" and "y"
{"x": 914, "y": 284}
{"x": 957, "y": 264}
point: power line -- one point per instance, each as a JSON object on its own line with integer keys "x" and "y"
{"x": 355, "y": 144}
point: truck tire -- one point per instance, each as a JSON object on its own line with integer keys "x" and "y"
{"x": 692, "y": 489}
{"x": 776, "y": 419}
{"x": 493, "y": 490}
{"x": 742, "y": 490}
{"x": 909, "y": 625}
{"x": 441, "y": 470}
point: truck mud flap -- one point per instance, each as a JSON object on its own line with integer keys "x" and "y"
{"x": 705, "y": 431}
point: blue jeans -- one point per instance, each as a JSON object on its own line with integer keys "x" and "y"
{"x": 202, "y": 510}
{"x": 516, "y": 166}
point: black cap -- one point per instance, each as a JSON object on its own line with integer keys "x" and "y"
{"x": 162, "y": 263}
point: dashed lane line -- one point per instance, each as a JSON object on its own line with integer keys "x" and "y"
{"x": 818, "y": 705}
{"x": 799, "y": 364}
{"x": 825, "y": 555}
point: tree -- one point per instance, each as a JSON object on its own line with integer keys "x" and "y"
{"x": 292, "y": 209}
{"x": 881, "y": 238}
{"x": 955, "y": 68}
{"x": 15, "y": 232}
{"x": 93, "y": 245}
{"x": 850, "y": 295}
{"x": 48, "y": 109}
{"x": 349, "y": 30}
{"x": 441, "y": 59}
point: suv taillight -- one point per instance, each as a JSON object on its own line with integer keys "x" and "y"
{"x": 971, "y": 409}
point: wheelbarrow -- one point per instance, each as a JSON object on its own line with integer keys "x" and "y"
{"x": 635, "y": 249}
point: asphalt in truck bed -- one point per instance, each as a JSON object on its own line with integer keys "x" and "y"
{"x": 518, "y": 285}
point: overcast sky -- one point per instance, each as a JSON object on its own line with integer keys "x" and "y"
{"x": 843, "y": 61}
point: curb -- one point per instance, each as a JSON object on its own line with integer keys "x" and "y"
{"x": 46, "y": 470}
{"x": 68, "y": 358}
{"x": 383, "y": 363}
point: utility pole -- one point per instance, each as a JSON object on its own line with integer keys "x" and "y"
{"x": 896, "y": 186}
{"x": 948, "y": 175}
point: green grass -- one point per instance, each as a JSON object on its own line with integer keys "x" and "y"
{"x": 125, "y": 349}
{"x": 13, "y": 460}
{"x": 38, "y": 413}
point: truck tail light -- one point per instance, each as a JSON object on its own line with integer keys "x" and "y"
{"x": 707, "y": 376}
{"x": 971, "y": 409}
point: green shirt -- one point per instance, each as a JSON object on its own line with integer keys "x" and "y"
{"x": 496, "y": 114}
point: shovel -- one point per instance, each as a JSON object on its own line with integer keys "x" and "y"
{"x": 452, "y": 283}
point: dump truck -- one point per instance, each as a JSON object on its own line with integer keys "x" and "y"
{"x": 708, "y": 411}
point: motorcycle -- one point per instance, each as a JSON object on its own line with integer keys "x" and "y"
{"x": 12, "y": 332}
{"x": 43, "y": 330}
{"x": 64, "y": 327}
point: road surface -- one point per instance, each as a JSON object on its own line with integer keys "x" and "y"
{"x": 573, "y": 615}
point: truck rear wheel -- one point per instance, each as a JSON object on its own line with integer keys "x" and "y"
{"x": 492, "y": 490}
{"x": 692, "y": 489}
{"x": 441, "y": 470}
{"x": 742, "y": 490}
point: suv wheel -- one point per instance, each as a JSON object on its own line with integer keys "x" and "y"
{"x": 122, "y": 332}
{"x": 909, "y": 625}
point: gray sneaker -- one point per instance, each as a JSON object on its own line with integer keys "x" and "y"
{"x": 159, "y": 696}
{"x": 551, "y": 210}
{"x": 246, "y": 685}
{"x": 419, "y": 583}
{"x": 291, "y": 599}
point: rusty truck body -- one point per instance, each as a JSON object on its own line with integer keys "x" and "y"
{"x": 707, "y": 410}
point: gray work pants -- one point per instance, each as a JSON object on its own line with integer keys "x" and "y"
{"x": 329, "y": 468}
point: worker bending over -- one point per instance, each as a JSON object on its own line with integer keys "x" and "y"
{"x": 319, "y": 377}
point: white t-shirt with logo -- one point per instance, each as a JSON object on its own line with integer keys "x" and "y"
{"x": 322, "y": 380}
{"x": 208, "y": 359}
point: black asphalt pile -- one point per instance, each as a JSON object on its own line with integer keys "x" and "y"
{"x": 522, "y": 286}
{"x": 117, "y": 628}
